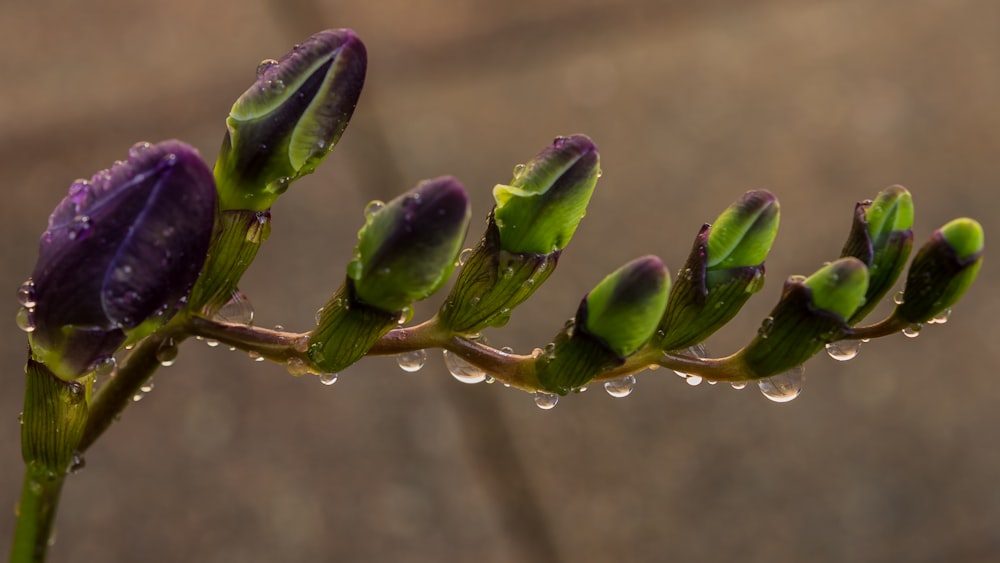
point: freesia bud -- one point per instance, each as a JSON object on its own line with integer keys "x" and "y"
{"x": 283, "y": 126}
{"x": 615, "y": 319}
{"x": 405, "y": 252}
{"x": 120, "y": 253}
{"x": 942, "y": 271}
{"x": 543, "y": 205}
{"x": 811, "y": 312}
{"x": 725, "y": 267}
{"x": 881, "y": 237}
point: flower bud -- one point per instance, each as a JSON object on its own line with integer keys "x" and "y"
{"x": 121, "y": 252}
{"x": 543, "y": 205}
{"x": 942, "y": 271}
{"x": 283, "y": 126}
{"x": 614, "y": 320}
{"x": 811, "y": 312}
{"x": 881, "y": 237}
{"x": 725, "y": 267}
{"x": 407, "y": 249}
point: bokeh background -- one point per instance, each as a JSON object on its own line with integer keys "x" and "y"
{"x": 892, "y": 456}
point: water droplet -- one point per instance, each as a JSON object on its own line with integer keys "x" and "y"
{"x": 296, "y": 367}
{"x": 238, "y": 310}
{"x": 620, "y": 387}
{"x": 783, "y": 387}
{"x": 255, "y": 356}
{"x": 766, "y": 326}
{"x": 898, "y": 298}
{"x": 80, "y": 228}
{"x": 913, "y": 330}
{"x": 508, "y": 273}
{"x": 301, "y": 344}
{"x": 693, "y": 380}
{"x": 463, "y": 370}
{"x": 354, "y": 269}
{"x": 738, "y": 385}
{"x": 146, "y": 386}
{"x": 211, "y": 343}
{"x": 276, "y": 85}
{"x": 137, "y": 149}
{"x": 26, "y": 294}
{"x": 265, "y": 65}
{"x": 843, "y": 350}
{"x": 106, "y": 367}
{"x": 940, "y": 319}
{"x": 519, "y": 170}
{"x": 463, "y": 256}
{"x": 25, "y": 319}
{"x": 77, "y": 464}
{"x": 528, "y": 283}
{"x": 20, "y": 417}
{"x": 319, "y": 315}
{"x": 404, "y": 316}
{"x": 546, "y": 401}
{"x": 507, "y": 350}
{"x": 328, "y": 378}
{"x": 412, "y": 361}
{"x": 166, "y": 353}
{"x": 373, "y": 207}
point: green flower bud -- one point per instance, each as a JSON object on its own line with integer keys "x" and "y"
{"x": 543, "y": 205}
{"x": 881, "y": 237}
{"x": 811, "y": 312}
{"x": 407, "y": 250}
{"x": 615, "y": 319}
{"x": 942, "y": 271}
{"x": 289, "y": 120}
{"x": 725, "y": 267}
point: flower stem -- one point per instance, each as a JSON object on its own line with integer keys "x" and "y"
{"x": 36, "y": 513}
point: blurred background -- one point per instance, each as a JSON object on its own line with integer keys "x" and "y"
{"x": 892, "y": 456}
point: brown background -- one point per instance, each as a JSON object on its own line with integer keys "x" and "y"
{"x": 890, "y": 457}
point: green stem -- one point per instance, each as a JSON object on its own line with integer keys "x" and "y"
{"x": 36, "y": 513}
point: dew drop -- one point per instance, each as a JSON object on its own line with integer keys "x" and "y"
{"x": 238, "y": 310}
{"x": 507, "y": 350}
{"x": 766, "y": 326}
{"x": 694, "y": 380}
{"x": 619, "y": 388}
{"x": 404, "y": 316}
{"x": 412, "y": 361}
{"x": 463, "y": 370}
{"x": 296, "y": 367}
{"x": 265, "y": 65}
{"x": 20, "y": 418}
{"x": 319, "y": 315}
{"x": 26, "y": 294}
{"x": 301, "y": 344}
{"x": 738, "y": 385}
{"x": 843, "y": 350}
{"x": 373, "y": 207}
{"x": 106, "y": 367}
{"x": 26, "y": 319}
{"x": 940, "y": 319}
{"x": 912, "y": 331}
{"x": 328, "y": 378}
{"x": 519, "y": 170}
{"x": 463, "y": 256}
{"x": 898, "y": 298}
{"x": 146, "y": 386}
{"x": 137, "y": 149}
{"x": 255, "y": 356}
{"x": 80, "y": 228}
{"x": 508, "y": 273}
{"x": 166, "y": 353}
{"x": 354, "y": 269}
{"x": 211, "y": 343}
{"x": 783, "y": 387}
{"x": 546, "y": 401}
{"x": 77, "y": 464}
{"x": 276, "y": 85}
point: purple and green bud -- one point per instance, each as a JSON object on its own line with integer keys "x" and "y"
{"x": 120, "y": 255}
{"x": 725, "y": 267}
{"x": 406, "y": 251}
{"x": 942, "y": 271}
{"x": 811, "y": 312}
{"x": 613, "y": 321}
{"x": 881, "y": 237}
{"x": 538, "y": 212}
{"x": 534, "y": 218}
{"x": 284, "y": 125}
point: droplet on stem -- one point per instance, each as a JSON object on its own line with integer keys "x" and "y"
{"x": 843, "y": 350}
{"x": 412, "y": 361}
{"x": 546, "y": 401}
{"x": 619, "y": 388}
{"x": 463, "y": 370}
{"x": 783, "y": 387}
{"x": 328, "y": 378}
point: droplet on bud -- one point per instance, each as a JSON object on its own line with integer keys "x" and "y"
{"x": 238, "y": 310}
{"x": 328, "y": 378}
{"x": 738, "y": 385}
{"x": 463, "y": 257}
{"x": 619, "y": 388}
{"x": 463, "y": 370}
{"x": 912, "y": 331}
{"x": 25, "y": 319}
{"x": 843, "y": 350}
{"x": 940, "y": 319}
{"x": 412, "y": 361}
{"x": 783, "y": 387}
{"x": 373, "y": 207}
{"x": 26, "y": 294}
{"x": 166, "y": 353}
{"x": 546, "y": 401}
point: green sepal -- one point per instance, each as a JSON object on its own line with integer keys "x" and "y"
{"x": 346, "y": 330}
{"x": 942, "y": 271}
{"x": 491, "y": 283}
{"x": 54, "y": 417}
{"x": 238, "y": 236}
{"x": 573, "y": 359}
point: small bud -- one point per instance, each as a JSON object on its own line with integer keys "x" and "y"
{"x": 543, "y": 205}
{"x": 881, "y": 237}
{"x": 615, "y": 319}
{"x": 120, "y": 253}
{"x": 284, "y": 125}
{"x": 811, "y": 312}
{"x": 725, "y": 267}
{"x": 407, "y": 250}
{"x": 942, "y": 271}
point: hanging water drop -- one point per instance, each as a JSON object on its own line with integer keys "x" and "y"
{"x": 619, "y": 388}
{"x": 404, "y": 316}
{"x": 738, "y": 385}
{"x": 411, "y": 362}
{"x": 373, "y": 207}
{"x": 783, "y": 387}
{"x": 255, "y": 356}
{"x": 211, "y": 343}
{"x": 319, "y": 315}
{"x": 25, "y": 319}
{"x": 166, "y": 352}
{"x": 519, "y": 170}
{"x": 328, "y": 378}
{"x": 106, "y": 367}
{"x": 77, "y": 464}
{"x": 296, "y": 367}
{"x": 26, "y": 294}
{"x": 463, "y": 370}
{"x": 693, "y": 380}
{"x": 238, "y": 310}
{"x": 843, "y": 350}
{"x": 940, "y": 319}
{"x": 912, "y": 331}
{"x": 146, "y": 386}
{"x": 766, "y": 326}
{"x": 898, "y": 298}
{"x": 463, "y": 256}
{"x": 546, "y": 401}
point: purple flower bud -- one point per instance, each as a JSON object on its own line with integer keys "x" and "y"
{"x": 121, "y": 249}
